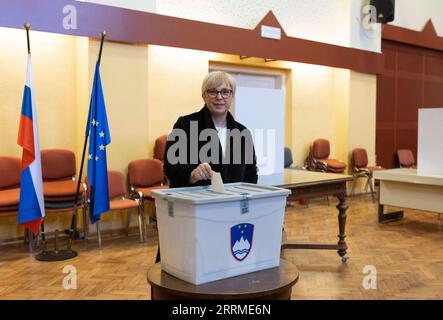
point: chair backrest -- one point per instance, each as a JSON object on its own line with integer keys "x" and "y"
{"x": 405, "y": 158}
{"x": 116, "y": 184}
{"x": 159, "y": 148}
{"x": 288, "y": 157}
{"x": 320, "y": 149}
{"x": 360, "y": 158}
{"x": 57, "y": 164}
{"x": 10, "y": 171}
{"x": 145, "y": 172}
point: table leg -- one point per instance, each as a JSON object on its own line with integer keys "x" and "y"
{"x": 342, "y": 207}
{"x": 388, "y": 217}
{"x": 153, "y": 297}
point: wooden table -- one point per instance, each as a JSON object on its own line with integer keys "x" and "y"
{"x": 405, "y": 188}
{"x": 269, "y": 284}
{"x": 308, "y": 184}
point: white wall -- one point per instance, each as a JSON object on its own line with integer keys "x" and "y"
{"x": 329, "y": 21}
{"x": 319, "y": 20}
{"x": 412, "y": 14}
{"x": 139, "y": 5}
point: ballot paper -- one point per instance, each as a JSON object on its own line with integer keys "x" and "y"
{"x": 217, "y": 182}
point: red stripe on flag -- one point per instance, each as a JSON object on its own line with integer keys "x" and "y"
{"x": 26, "y": 140}
{"x": 33, "y": 225}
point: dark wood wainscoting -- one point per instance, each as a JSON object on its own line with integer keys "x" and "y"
{"x": 412, "y": 78}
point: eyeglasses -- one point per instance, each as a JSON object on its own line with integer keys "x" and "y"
{"x": 225, "y": 93}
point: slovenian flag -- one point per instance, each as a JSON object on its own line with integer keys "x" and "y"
{"x": 31, "y": 207}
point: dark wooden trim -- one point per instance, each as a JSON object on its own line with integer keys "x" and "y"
{"x": 413, "y": 61}
{"x": 138, "y": 27}
{"x": 427, "y": 38}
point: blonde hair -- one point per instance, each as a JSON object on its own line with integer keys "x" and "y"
{"x": 217, "y": 78}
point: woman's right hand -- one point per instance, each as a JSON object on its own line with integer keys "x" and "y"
{"x": 202, "y": 172}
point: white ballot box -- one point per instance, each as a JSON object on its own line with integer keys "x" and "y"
{"x": 207, "y": 236}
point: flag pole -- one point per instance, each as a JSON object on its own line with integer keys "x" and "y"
{"x": 103, "y": 35}
{"x": 68, "y": 254}
{"x": 49, "y": 255}
{"x": 74, "y": 216}
{"x": 27, "y": 27}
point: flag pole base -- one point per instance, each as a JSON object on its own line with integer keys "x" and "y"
{"x": 56, "y": 255}
{"x": 53, "y": 255}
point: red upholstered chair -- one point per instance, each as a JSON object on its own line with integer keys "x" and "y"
{"x": 145, "y": 175}
{"x": 10, "y": 171}
{"x": 60, "y": 184}
{"x": 58, "y": 172}
{"x": 318, "y": 158}
{"x": 159, "y": 148}
{"x": 406, "y": 158}
{"x": 361, "y": 169}
{"x": 119, "y": 200}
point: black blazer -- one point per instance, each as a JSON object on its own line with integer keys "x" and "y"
{"x": 178, "y": 174}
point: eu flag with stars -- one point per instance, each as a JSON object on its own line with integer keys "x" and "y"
{"x": 99, "y": 138}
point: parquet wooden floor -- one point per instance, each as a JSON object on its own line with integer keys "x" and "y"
{"x": 407, "y": 255}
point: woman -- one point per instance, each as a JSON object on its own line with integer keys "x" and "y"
{"x": 229, "y": 146}
{"x": 214, "y": 141}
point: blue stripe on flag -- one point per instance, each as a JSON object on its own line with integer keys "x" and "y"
{"x": 29, "y": 208}
{"x": 27, "y": 105}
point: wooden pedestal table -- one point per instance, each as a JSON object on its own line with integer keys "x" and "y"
{"x": 308, "y": 184}
{"x": 269, "y": 284}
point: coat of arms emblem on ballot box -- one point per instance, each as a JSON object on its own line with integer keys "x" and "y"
{"x": 241, "y": 240}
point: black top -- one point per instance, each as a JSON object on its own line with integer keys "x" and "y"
{"x": 179, "y": 174}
